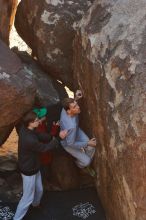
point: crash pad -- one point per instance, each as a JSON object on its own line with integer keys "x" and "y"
{"x": 65, "y": 205}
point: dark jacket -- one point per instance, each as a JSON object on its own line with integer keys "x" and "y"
{"x": 30, "y": 143}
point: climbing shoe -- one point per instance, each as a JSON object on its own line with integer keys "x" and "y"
{"x": 91, "y": 171}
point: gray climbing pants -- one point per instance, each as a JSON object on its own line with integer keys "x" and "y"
{"x": 83, "y": 156}
{"x": 32, "y": 194}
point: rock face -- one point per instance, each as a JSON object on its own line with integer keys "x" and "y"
{"x": 7, "y": 13}
{"x": 110, "y": 55}
{"x": 16, "y": 90}
{"x": 49, "y": 92}
{"x": 65, "y": 173}
{"x": 48, "y": 27}
{"x": 31, "y": 82}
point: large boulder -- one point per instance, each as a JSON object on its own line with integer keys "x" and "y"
{"x": 48, "y": 27}
{"x": 49, "y": 92}
{"x": 24, "y": 85}
{"x": 110, "y": 67}
{"x": 7, "y": 14}
{"x": 64, "y": 171}
{"x": 17, "y": 91}
{"x": 65, "y": 175}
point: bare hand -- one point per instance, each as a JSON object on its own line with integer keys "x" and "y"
{"x": 63, "y": 134}
{"x": 58, "y": 123}
{"x": 78, "y": 94}
{"x": 92, "y": 142}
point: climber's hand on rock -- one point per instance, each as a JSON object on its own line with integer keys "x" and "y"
{"x": 78, "y": 94}
{"x": 92, "y": 142}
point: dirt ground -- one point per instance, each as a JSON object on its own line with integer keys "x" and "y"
{"x": 10, "y": 146}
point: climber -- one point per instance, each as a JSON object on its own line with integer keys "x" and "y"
{"x": 76, "y": 142}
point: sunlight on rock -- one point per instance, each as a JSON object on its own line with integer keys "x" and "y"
{"x": 16, "y": 41}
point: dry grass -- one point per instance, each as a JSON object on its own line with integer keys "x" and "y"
{"x": 10, "y": 146}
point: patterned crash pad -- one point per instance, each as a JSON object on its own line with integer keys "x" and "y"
{"x": 7, "y": 210}
{"x": 69, "y": 205}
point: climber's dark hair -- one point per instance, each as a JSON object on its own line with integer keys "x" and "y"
{"x": 66, "y": 103}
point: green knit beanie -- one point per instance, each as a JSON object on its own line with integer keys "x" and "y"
{"x": 41, "y": 112}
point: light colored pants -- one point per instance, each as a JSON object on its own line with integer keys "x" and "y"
{"x": 84, "y": 156}
{"x": 32, "y": 194}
